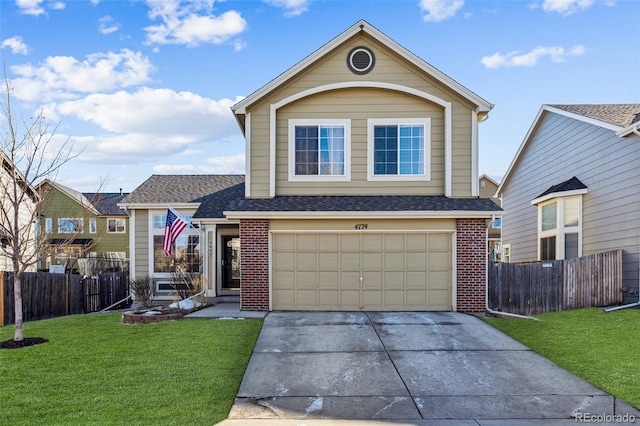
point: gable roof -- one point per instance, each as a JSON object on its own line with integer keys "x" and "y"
{"x": 620, "y": 118}
{"x": 77, "y": 196}
{"x": 621, "y": 115}
{"x": 568, "y": 185}
{"x": 107, "y": 202}
{"x": 178, "y": 189}
{"x": 483, "y": 105}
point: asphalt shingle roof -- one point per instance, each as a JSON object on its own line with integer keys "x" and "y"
{"x": 380, "y": 203}
{"x": 622, "y": 115}
{"x": 568, "y": 185}
{"x": 180, "y": 188}
{"x": 106, "y": 202}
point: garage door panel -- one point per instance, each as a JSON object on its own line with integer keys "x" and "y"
{"x": 394, "y": 261}
{"x": 328, "y": 280}
{"x": 394, "y": 280}
{"x": 328, "y": 261}
{"x": 371, "y": 261}
{"x": 372, "y": 242}
{"x": 306, "y": 261}
{"x": 362, "y": 271}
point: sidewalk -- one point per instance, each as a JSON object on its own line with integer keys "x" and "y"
{"x": 225, "y": 310}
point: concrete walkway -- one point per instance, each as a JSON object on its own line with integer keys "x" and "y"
{"x": 355, "y": 368}
{"x": 225, "y": 310}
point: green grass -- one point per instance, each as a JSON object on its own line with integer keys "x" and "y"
{"x": 97, "y": 370}
{"x": 602, "y": 348}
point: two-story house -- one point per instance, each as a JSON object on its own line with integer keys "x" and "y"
{"x": 82, "y": 225}
{"x": 361, "y": 190}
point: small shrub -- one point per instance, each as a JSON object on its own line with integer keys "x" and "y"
{"x": 144, "y": 290}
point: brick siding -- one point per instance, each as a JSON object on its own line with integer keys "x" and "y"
{"x": 471, "y": 252}
{"x": 254, "y": 265}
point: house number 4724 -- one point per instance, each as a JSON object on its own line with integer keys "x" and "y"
{"x": 361, "y": 225}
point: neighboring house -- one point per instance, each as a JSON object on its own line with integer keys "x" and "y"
{"x": 8, "y": 176}
{"x": 488, "y": 188}
{"x": 82, "y": 225}
{"x": 573, "y": 188}
{"x": 361, "y": 189}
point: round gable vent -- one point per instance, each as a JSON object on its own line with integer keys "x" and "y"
{"x": 361, "y": 60}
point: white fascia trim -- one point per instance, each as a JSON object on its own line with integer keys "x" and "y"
{"x": 247, "y": 156}
{"x": 453, "y": 214}
{"x": 475, "y": 181}
{"x": 562, "y": 194}
{"x": 634, "y": 128}
{"x": 272, "y": 150}
{"x": 214, "y": 222}
{"x": 582, "y": 118}
{"x": 132, "y": 246}
{"x": 158, "y": 206}
{"x": 362, "y": 25}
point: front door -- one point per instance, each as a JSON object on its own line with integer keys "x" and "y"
{"x": 230, "y": 264}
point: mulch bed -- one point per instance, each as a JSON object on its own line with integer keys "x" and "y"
{"x": 27, "y": 341}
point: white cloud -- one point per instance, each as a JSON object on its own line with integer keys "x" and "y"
{"x": 530, "y": 59}
{"x": 565, "y": 7}
{"x": 30, "y": 7}
{"x": 106, "y": 25}
{"x": 291, "y": 7}
{"x": 191, "y": 23}
{"x": 63, "y": 77}
{"x": 439, "y": 10}
{"x": 149, "y": 124}
{"x": 229, "y": 165}
{"x": 17, "y": 46}
{"x": 57, "y": 5}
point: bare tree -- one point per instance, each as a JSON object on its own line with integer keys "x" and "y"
{"x": 28, "y": 157}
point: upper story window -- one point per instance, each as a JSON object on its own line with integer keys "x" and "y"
{"x": 319, "y": 150}
{"x": 70, "y": 225}
{"x": 398, "y": 149}
{"x": 116, "y": 226}
{"x": 93, "y": 226}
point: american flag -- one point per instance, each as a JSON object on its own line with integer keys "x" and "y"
{"x": 173, "y": 227}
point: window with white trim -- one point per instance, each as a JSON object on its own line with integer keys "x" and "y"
{"x": 560, "y": 228}
{"x": 70, "y": 225}
{"x": 116, "y": 226}
{"x": 185, "y": 251}
{"x": 398, "y": 149}
{"x": 93, "y": 225}
{"x": 319, "y": 150}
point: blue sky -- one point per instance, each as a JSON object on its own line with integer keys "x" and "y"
{"x": 145, "y": 87}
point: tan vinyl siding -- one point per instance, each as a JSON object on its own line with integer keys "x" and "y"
{"x": 358, "y": 105}
{"x": 607, "y": 164}
{"x": 142, "y": 243}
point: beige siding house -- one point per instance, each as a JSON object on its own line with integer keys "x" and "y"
{"x": 573, "y": 187}
{"x": 361, "y": 189}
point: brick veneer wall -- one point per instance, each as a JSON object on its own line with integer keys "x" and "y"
{"x": 471, "y": 252}
{"x": 254, "y": 264}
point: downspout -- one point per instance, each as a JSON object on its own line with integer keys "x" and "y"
{"x": 486, "y": 296}
{"x": 630, "y": 305}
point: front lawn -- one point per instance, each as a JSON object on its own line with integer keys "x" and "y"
{"x": 97, "y": 370}
{"x": 602, "y": 348}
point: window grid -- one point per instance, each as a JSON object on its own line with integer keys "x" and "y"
{"x": 399, "y": 150}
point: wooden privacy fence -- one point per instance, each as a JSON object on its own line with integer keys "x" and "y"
{"x": 46, "y": 295}
{"x": 540, "y": 287}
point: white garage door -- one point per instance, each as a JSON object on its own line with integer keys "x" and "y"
{"x": 364, "y": 271}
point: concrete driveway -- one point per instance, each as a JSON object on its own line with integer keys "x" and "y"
{"x": 414, "y": 367}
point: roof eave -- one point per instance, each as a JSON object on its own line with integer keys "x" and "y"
{"x": 157, "y": 206}
{"x": 418, "y": 214}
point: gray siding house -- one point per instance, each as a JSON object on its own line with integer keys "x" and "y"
{"x": 573, "y": 188}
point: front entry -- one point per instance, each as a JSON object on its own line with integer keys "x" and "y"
{"x": 230, "y": 263}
